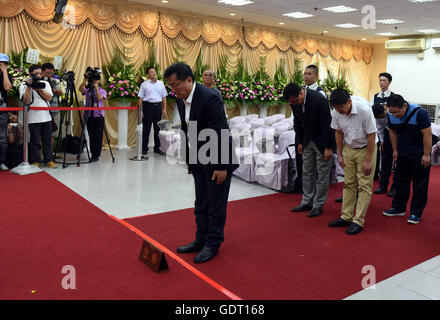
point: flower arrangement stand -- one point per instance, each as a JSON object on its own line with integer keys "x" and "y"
{"x": 122, "y": 124}
{"x": 263, "y": 111}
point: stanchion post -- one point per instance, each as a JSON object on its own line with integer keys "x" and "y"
{"x": 25, "y": 168}
{"x": 139, "y": 129}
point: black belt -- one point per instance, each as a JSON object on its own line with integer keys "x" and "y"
{"x": 359, "y": 148}
{"x": 153, "y": 103}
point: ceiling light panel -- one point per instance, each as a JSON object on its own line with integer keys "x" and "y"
{"x": 298, "y": 15}
{"x": 347, "y": 25}
{"x": 340, "y": 9}
{"x": 236, "y": 2}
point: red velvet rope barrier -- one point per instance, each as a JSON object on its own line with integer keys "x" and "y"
{"x": 67, "y": 109}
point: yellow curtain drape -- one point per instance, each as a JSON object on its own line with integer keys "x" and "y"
{"x": 96, "y": 28}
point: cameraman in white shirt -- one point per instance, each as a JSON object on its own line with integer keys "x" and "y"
{"x": 37, "y": 93}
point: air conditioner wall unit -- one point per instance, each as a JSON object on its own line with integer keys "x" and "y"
{"x": 433, "y": 111}
{"x": 415, "y": 44}
{"x": 435, "y": 44}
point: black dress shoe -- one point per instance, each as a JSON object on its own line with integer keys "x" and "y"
{"x": 192, "y": 247}
{"x": 302, "y": 207}
{"x": 144, "y": 152}
{"x": 339, "y": 223}
{"x": 314, "y": 213}
{"x": 339, "y": 200}
{"x": 381, "y": 190}
{"x": 392, "y": 192}
{"x": 354, "y": 228}
{"x": 159, "y": 152}
{"x": 205, "y": 255}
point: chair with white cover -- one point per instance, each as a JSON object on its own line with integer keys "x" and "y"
{"x": 251, "y": 117}
{"x": 278, "y": 117}
{"x": 271, "y": 169}
{"x": 241, "y": 133}
{"x": 245, "y": 151}
{"x": 270, "y": 120}
{"x": 168, "y": 141}
{"x": 280, "y": 127}
{"x": 236, "y": 120}
{"x": 257, "y": 123}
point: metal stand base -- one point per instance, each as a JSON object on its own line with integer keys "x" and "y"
{"x": 142, "y": 158}
{"x": 25, "y": 168}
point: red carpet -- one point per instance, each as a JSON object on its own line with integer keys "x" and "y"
{"x": 271, "y": 253}
{"x": 45, "y": 226}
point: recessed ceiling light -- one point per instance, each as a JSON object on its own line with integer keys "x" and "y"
{"x": 421, "y": 1}
{"x": 298, "y": 15}
{"x": 281, "y": 23}
{"x": 164, "y": 1}
{"x": 340, "y": 9}
{"x": 386, "y": 34}
{"x": 236, "y": 2}
{"x": 232, "y": 14}
{"x": 363, "y": 39}
{"x": 325, "y": 31}
{"x": 390, "y": 21}
{"x": 347, "y": 25}
{"x": 429, "y": 31}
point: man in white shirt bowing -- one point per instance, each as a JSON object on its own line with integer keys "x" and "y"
{"x": 356, "y": 141}
{"x": 152, "y": 97}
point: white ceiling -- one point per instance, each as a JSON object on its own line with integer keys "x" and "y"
{"x": 270, "y": 13}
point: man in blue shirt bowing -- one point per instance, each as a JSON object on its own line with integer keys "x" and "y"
{"x": 411, "y": 138}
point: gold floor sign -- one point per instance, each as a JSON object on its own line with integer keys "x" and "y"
{"x": 153, "y": 257}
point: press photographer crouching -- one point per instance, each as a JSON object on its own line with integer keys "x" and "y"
{"x": 95, "y": 96}
{"x": 35, "y": 92}
{"x": 15, "y": 139}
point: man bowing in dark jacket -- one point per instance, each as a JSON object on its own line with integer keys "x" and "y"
{"x": 315, "y": 140}
{"x": 208, "y": 151}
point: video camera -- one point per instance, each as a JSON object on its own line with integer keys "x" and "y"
{"x": 68, "y": 76}
{"x": 92, "y": 74}
{"x": 36, "y": 83}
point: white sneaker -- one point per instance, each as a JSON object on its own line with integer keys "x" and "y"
{"x": 3, "y": 167}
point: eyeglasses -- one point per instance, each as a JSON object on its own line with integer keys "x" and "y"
{"x": 175, "y": 85}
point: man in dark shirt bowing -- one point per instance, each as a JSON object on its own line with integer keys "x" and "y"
{"x": 208, "y": 151}
{"x": 311, "y": 114}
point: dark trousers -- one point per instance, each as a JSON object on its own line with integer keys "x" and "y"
{"x": 40, "y": 132}
{"x": 15, "y": 155}
{"x": 409, "y": 169}
{"x": 3, "y": 136}
{"x": 95, "y": 127}
{"x": 210, "y": 207}
{"x": 152, "y": 115}
{"x": 299, "y": 169}
{"x": 387, "y": 160}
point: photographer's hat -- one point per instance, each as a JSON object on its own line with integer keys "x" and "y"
{"x": 4, "y": 58}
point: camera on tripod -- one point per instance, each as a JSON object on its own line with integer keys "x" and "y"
{"x": 92, "y": 75}
{"x": 36, "y": 83}
{"x": 68, "y": 76}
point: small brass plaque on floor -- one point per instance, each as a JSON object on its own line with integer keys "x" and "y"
{"x": 153, "y": 257}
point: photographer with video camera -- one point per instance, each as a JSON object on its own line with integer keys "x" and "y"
{"x": 95, "y": 96}
{"x": 48, "y": 73}
{"x": 35, "y": 92}
{"x": 5, "y": 86}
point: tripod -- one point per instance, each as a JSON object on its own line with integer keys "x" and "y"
{"x": 92, "y": 93}
{"x": 69, "y": 101}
